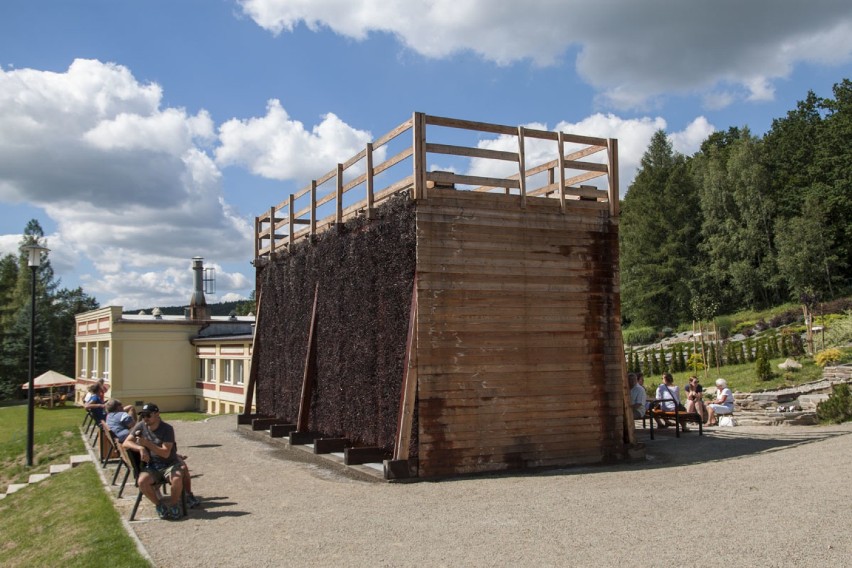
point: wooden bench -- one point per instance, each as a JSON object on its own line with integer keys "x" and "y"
{"x": 680, "y": 417}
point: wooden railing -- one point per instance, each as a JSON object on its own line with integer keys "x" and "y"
{"x": 561, "y": 177}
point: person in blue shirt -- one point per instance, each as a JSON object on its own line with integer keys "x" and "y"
{"x": 120, "y": 419}
{"x": 95, "y": 404}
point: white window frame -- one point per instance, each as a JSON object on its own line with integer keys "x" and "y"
{"x": 94, "y": 370}
{"x": 106, "y": 362}
{"x": 84, "y": 358}
{"x": 227, "y": 372}
{"x": 239, "y": 371}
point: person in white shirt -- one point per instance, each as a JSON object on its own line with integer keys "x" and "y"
{"x": 637, "y": 396}
{"x": 724, "y": 403}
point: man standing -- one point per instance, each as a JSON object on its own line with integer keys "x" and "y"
{"x": 155, "y": 441}
{"x": 638, "y": 397}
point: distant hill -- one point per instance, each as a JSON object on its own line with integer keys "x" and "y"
{"x": 221, "y": 309}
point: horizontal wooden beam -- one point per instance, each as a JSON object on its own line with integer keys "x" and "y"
{"x": 357, "y": 456}
{"x": 329, "y": 445}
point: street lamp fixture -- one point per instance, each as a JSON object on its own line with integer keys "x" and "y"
{"x": 35, "y": 251}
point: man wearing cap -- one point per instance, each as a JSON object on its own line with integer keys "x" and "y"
{"x": 155, "y": 441}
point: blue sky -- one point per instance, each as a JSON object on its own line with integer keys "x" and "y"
{"x": 141, "y": 134}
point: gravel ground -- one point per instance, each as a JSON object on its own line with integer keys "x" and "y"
{"x": 761, "y": 496}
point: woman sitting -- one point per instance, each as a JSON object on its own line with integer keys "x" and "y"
{"x": 724, "y": 403}
{"x": 669, "y": 395}
{"x": 694, "y": 402}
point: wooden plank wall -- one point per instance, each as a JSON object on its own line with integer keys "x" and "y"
{"x": 518, "y": 360}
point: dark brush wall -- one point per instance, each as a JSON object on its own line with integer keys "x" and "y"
{"x": 365, "y": 270}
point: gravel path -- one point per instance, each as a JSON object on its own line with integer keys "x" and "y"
{"x": 770, "y": 496}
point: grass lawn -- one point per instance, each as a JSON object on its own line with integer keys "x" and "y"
{"x": 67, "y": 520}
{"x": 743, "y": 378}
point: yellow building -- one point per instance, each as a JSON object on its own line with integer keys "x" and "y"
{"x": 177, "y": 362}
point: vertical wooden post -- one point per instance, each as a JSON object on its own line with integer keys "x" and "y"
{"x": 291, "y": 219}
{"x": 255, "y": 350}
{"x": 256, "y": 237}
{"x": 560, "y": 142}
{"x": 309, "y": 375}
{"x": 368, "y": 155}
{"x": 271, "y": 230}
{"x": 612, "y": 158}
{"x": 522, "y": 167}
{"x": 339, "y": 214}
{"x": 313, "y": 207}
{"x": 418, "y": 129}
{"x": 408, "y": 392}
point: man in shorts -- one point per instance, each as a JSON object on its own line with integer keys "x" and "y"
{"x": 155, "y": 441}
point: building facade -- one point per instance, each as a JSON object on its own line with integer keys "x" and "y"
{"x": 176, "y": 361}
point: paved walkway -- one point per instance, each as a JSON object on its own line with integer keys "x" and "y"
{"x": 754, "y": 496}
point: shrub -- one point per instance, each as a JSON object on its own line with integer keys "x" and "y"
{"x": 639, "y": 335}
{"x": 784, "y": 318}
{"x": 840, "y": 332}
{"x": 838, "y": 407}
{"x": 724, "y": 325}
{"x": 828, "y": 357}
{"x": 762, "y": 366}
{"x": 695, "y": 362}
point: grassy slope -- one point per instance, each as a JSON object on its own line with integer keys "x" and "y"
{"x": 68, "y": 519}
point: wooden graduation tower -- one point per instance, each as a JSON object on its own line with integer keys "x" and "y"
{"x": 446, "y": 323}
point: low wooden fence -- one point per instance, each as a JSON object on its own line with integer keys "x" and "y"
{"x": 559, "y": 177}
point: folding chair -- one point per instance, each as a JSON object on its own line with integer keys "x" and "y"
{"x": 130, "y": 464}
{"x": 109, "y": 441}
{"x": 87, "y": 420}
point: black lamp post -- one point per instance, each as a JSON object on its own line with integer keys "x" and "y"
{"x": 35, "y": 251}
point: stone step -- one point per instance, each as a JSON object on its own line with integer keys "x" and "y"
{"x": 77, "y": 460}
{"x": 36, "y": 477}
{"x": 15, "y": 487}
{"x": 59, "y": 468}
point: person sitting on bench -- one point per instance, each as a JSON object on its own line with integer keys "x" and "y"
{"x": 638, "y": 396}
{"x": 694, "y": 402}
{"x": 669, "y": 394}
{"x": 724, "y": 403}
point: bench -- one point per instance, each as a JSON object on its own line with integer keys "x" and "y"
{"x": 680, "y": 417}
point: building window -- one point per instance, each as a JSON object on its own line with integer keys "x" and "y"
{"x": 238, "y": 371}
{"x": 211, "y": 371}
{"x": 84, "y": 366}
{"x": 94, "y": 362}
{"x": 106, "y": 362}
{"x": 226, "y": 372}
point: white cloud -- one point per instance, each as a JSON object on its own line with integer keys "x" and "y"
{"x": 125, "y": 180}
{"x": 278, "y": 147}
{"x": 631, "y": 51}
{"x": 688, "y": 141}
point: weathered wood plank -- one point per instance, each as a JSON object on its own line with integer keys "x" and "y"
{"x": 449, "y": 177}
{"x": 471, "y": 152}
{"x": 329, "y": 445}
{"x": 357, "y": 456}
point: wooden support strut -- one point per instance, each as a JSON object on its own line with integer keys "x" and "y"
{"x": 409, "y": 383}
{"x": 309, "y": 375}
{"x": 255, "y": 350}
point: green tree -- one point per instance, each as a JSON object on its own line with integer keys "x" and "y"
{"x": 659, "y": 233}
{"x": 54, "y": 321}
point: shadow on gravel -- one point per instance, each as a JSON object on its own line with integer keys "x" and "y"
{"x": 723, "y": 444}
{"x": 208, "y": 505}
{"x": 205, "y": 446}
{"x": 690, "y": 449}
